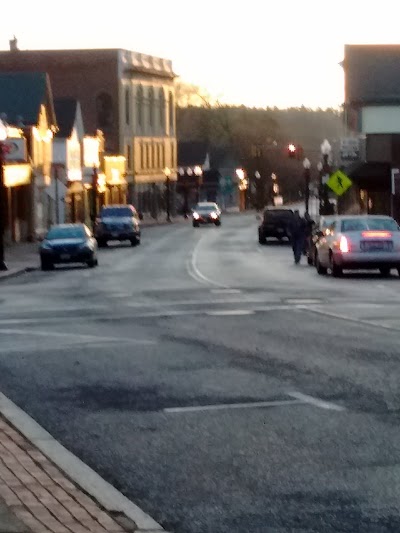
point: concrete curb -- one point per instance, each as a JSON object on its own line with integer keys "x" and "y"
{"x": 108, "y": 496}
{"x": 14, "y": 272}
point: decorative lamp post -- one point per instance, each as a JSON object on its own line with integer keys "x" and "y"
{"x": 307, "y": 174}
{"x": 259, "y": 198}
{"x": 326, "y": 150}
{"x": 199, "y": 175}
{"x": 3, "y": 150}
{"x": 167, "y": 174}
{"x": 242, "y": 185}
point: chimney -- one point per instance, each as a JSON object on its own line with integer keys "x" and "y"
{"x": 13, "y": 44}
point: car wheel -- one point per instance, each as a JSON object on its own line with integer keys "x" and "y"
{"x": 320, "y": 269}
{"x": 218, "y": 223}
{"x": 92, "y": 263}
{"x": 336, "y": 270}
{"x": 385, "y": 271}
{"x": 134, "y": 242}
{"x": 196, "y": 224}
{"x": 310, "y": 261}
{"x": 261, "y": 238}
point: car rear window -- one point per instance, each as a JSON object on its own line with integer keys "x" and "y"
{"x": 362, "y": 224}
{"x": 278, "y": 213}
{"x": 116, "y": 212}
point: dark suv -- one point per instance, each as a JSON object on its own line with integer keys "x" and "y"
{"x": 117, "y": 223}
{"x": 275, "y": 224}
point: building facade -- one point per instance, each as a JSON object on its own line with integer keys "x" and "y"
{"x": 372, "y": 114}
{"x": 130, "y": 97}
{"x": 26, "y": 106}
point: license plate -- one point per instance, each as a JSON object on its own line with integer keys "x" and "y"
{"x": 377, "y": 246}
{"x": 65, "y": 257}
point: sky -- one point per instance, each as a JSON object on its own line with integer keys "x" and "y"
{"x": 258, "y": 53}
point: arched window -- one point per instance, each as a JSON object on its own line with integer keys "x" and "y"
{"x": 127, "y": 106}
{"x": 162, "y": 109}
{"x": 171, "y": 114}
{"x": 139, "y": 106}
{"x": 151, "y": 107}
{"x": 104, "y": 111}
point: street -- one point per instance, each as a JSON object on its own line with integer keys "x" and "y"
{"x": 217, "y": 385}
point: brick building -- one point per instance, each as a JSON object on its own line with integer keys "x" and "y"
{"x": 129, "y": 97}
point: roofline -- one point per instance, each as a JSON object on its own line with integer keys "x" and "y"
{"x": 75, "y": 50}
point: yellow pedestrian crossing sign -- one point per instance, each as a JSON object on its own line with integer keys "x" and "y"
{"x": 339, "y": 182}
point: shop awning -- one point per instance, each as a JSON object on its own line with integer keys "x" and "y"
{"x": 373, "y": 176}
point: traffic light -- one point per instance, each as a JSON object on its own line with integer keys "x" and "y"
{"x": 292, "y": 150}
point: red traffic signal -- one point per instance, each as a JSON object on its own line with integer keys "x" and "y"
{"x": 292, "y": 150}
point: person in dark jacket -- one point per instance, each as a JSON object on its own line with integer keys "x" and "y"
{"x": 308, "y": 232}
{"x": 297, "y": 230}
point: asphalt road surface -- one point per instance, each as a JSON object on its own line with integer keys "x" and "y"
{"x": 219, "y": 386}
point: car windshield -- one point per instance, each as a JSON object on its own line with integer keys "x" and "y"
{"x": 116, "y": 212}
{"x": 361, "y": 224}
{"x": 67, "y": 232}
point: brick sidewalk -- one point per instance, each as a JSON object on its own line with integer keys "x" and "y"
{"x": 40, "y": 496}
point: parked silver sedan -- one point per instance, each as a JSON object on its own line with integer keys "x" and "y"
{"x": 359, "y": 242}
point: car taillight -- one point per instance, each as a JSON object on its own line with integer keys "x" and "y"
{"x": 344, "y": 245}
{"x": 377, "y": 233}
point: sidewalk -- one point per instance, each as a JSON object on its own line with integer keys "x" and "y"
{"x": 36, "y": 497}
{"x": 20, "y": 258}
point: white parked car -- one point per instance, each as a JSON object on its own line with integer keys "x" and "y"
{"x": 359, "y": 242}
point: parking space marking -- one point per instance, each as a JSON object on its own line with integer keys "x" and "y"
{"x": 224, "y": 406}
{"x": 225, "y": 291}
{"x": 316, "y": 402}
{"x": 346, "y": 318}
{"x": 74, "y": 336}
{"x": 231, "y": 312}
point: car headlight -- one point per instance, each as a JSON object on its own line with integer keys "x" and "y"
{"x": 196, "y": 216}
{"x": 214, "y": 215}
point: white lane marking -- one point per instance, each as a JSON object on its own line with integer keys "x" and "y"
{"x": 102, "y": 491}
{"x": 77, "y": 336}
{"x": 305, "y": 398}
{"x": 225, "y": 291}
{"x": 304, "y": 301}
{"x": 347, "y": 318}
{"x": 222, "y": 406}
{"x": 195, "y": 273}
{"x": 231, "y": 312}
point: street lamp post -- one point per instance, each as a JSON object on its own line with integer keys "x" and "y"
{"x": 95, "y": 179}
{"x": 198, "y": 173}
{"x": 242, "y": 185}
{"x": 307, "y": 166}
{"x": 167, "y": 174}
{"x": 325, "y": 171}
{"x": 259, "y": 199}
{"x": 3, "y": 137}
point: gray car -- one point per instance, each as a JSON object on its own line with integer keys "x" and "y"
{"x": 359, "y": 242}
{"x": 118, "y": 223}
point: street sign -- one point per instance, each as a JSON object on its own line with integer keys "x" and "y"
{"x": 339, "y": 182}
{"x": 225, "y": 184}
{"x": 349, "y": 149}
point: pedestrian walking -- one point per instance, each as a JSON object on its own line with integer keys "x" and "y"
{"x": 297, "y": 230}
{"x": 309, "y": 225}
